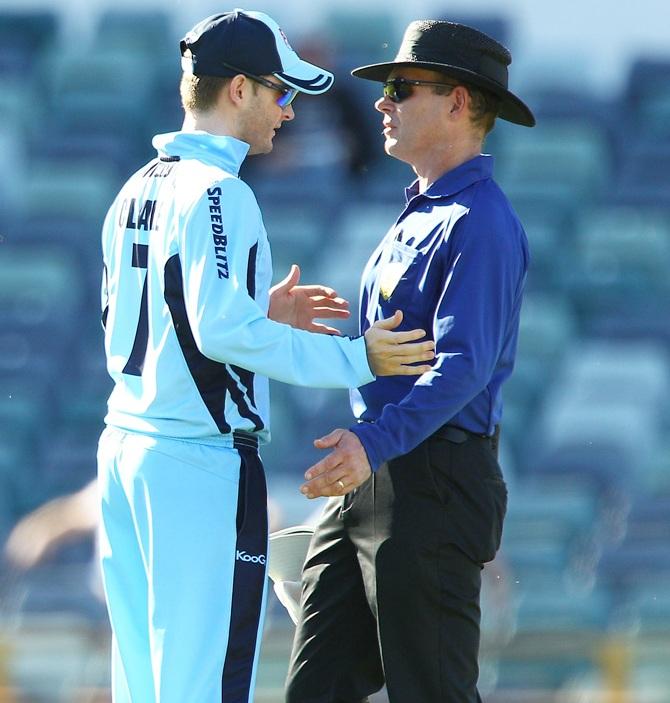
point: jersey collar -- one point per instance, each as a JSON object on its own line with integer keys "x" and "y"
{"x": 227, "y": 152}
{"x": 456, "y": 180}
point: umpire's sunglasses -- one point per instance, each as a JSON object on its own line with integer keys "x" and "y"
{"x": 399, "y": 89}
{"x": 287, "y": 96}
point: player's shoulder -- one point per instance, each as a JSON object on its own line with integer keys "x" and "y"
{"x": 199, "y": 181}
{"x": 491, "y": 206}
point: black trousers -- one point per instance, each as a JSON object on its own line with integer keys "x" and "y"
{"x": 392, "y": 579}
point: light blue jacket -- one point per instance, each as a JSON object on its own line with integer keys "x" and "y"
{"x": 185, "y": 299}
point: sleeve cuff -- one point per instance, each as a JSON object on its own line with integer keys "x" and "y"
{"x": 369, "y": 436}
{"x": 360, "y": 360}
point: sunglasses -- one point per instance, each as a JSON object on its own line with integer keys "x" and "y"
{"x": 287, "y": 96}
{"x": 399, "y": 89}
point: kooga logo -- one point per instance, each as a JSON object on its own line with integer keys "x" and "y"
{"x": 253, "y": 558}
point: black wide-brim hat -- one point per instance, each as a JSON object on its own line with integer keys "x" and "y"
{"x": 460, "y": 52}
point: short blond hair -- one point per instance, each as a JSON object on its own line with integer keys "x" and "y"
{"x": 200, "y": 93}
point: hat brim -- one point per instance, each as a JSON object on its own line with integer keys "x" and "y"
{"x": 287, "y": 552}
{"x": 512, "y": 108}
{"x": 306, "y": 77}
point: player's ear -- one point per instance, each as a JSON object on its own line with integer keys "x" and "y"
{"x": 459, "y": 100}
{"x": 237, "y": 86}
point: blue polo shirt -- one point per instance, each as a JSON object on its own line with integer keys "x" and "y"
{"x": 455, "y": 263}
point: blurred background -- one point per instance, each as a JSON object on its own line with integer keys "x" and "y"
{"x": 576, "y": 608}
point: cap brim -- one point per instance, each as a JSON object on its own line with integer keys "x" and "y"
{"x": 287, "y": 552}
{"x": 511, "y": 109}
{"x": 306, "y": 77}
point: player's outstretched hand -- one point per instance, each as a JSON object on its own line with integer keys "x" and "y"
{"x": 344, "y": 469}
{"x": 299, "y": 306}
{"x": 392, "y": 353}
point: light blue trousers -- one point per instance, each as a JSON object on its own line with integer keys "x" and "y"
{"x": 183, "y": 546}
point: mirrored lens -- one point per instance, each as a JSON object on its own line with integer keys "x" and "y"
{"x": 287, "y": 98}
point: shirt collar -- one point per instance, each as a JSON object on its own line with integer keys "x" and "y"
{"x": 227, "y": 152}
{"x": 456, "y": 180}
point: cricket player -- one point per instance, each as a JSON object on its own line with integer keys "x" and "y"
{"x": 192, "y": 333}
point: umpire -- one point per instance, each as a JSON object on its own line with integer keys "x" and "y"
{"x": 392, "y": 579}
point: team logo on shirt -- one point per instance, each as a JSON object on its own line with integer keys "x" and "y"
{"x": 390, "y": 277}
{"x": 219, "y": 238}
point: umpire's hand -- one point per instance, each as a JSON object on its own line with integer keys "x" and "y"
{"x": 393, "y": 353}
{"x": 344, "y": 469}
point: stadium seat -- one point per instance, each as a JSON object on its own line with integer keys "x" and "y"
{"x": 85, "y": 400}
{"x": 539, "y": 512}
{"x": 602, "y": 372}
{"x": 549, "y": 233}
{"x": 649, "y": 518}
{"x": 536, "y": 678}
{"x": 643, "y": 179}
{"x": 19, "y": 459}
{"x": 25, "y": 403}
{"x": 634, "y": 564}
{"x": 28, "y": 35}
{"x": 39, "y": 286}
{"x": 164, "y": 112}
{"x": 622, "y": 251}
{"x": 54, "y": 189}
{"x": 630, "y": 320}
{"x": 363, "y": 35}
{"x": 570, "y": 157}
{"x": 650, "y": 607}
{"x": 88, "y": 115}
{"x": 100, "y": 73}
{"x": 12, "y": 146}
{"x": 563, "y": 610}
{"x": 70, "y": 462}
{"x": 136, "y": 32}
{"x": 113, "y": 152}
{"x": 648, "y": 80}
{"x": 547, "y": 328}
{"x": 296, "y": 235}
{"x": 600, "y": 466}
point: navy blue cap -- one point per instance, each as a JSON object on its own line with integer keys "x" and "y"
{"x": 253, "y": 43}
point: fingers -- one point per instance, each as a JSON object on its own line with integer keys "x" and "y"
{"x": 419, "y": 351}
{"x": 336, "y": 481}
{"x": 345, "y": 468}
{"x": 390, "y": 323}
{"x": 327, "y": 301}
{"x": 404, "y": 337}
{"x": 293, "y": 275}
{"x": 406, "y": 357}
{"x": 320, "y": 291}
{"x": 322, "y": 302}
{"x": 327, "y": 485}
{"x": 329, "y": 440}
{"x": 319, "y": 477}
{"x": 404, "y": 370}
{"x": 330, "y": 313}
{"x": 323, "y": 329}
{"x": 291, "y": 279}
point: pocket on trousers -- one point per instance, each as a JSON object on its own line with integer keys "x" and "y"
{"x": 469, "y": 483}
{"x": 498, "y": 497}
